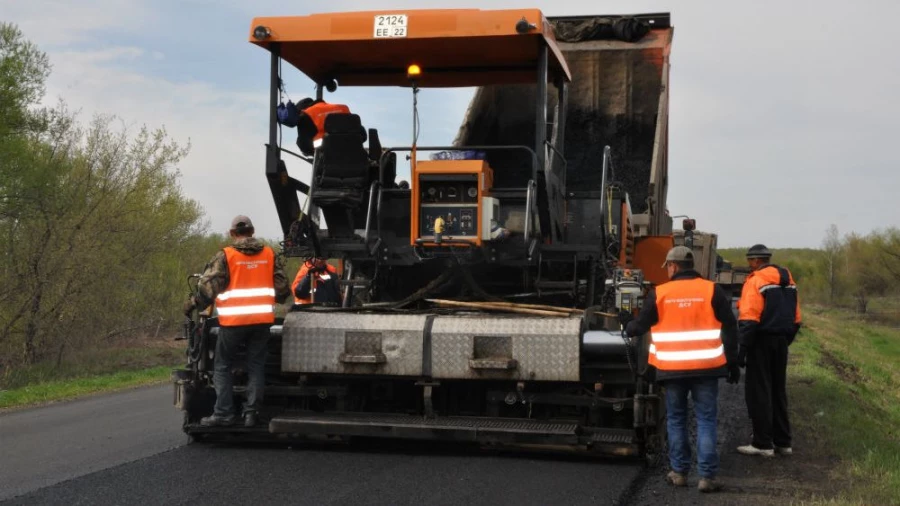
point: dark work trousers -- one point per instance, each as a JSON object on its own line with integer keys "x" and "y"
{"x": 256, "y": 337}
{"x": 765, "y": 391}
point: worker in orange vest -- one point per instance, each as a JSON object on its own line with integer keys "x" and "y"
{"x": 768, "y": 322}
{"x": 244, "y": 280}
{"x": 316, "y": 281}
{"x": 693, "y": 343}
{"x": 311, "y": 126}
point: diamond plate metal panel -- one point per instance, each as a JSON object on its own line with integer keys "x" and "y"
{"x": 545, "y": 349}
{"x": 314, "y": 343}
{"x": 493, "y": 347}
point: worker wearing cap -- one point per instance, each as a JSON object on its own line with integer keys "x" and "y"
{"x": 693, "y": 343}
{"x": 316, "y": 281}
{"x": 311, "y": 125}
{"x": 768, "y": 322}
{"x": 244, "y": 280}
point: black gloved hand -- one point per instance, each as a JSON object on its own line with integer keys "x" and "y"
{"x": 734, "y": 374}
{"x": 742, "y": 356}
{"x": 625, "y": 317}
{"x": 189, "y": 306}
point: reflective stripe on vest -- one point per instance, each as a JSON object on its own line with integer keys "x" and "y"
{"x": 688, "y": 335}
{"x": 249, "y": 298}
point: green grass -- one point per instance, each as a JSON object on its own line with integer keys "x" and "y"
{"x": 845, "y": 386}
{"x": 76, "y": 387}
{"x": 88, "y": 372}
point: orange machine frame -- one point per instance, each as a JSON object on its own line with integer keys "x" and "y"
{"x": 448, "y": 44}
{"x": 650, "y": 255}
{"x": 448, "y": 167}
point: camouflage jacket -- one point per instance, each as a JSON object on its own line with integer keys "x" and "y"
{"x": 215, "y": 277}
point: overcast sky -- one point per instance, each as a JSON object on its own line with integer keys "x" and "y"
{"x": 784, "y": 115}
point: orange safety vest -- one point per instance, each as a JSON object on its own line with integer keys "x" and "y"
{"x": 688, "y": 335}
{"x": 753, "y": 301}
{"x": 304, "y": 270}
{"x": 249, "y": 298}
{"x": 318, "y": 112}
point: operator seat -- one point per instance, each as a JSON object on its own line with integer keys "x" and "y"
{"x": 341, "y": 173}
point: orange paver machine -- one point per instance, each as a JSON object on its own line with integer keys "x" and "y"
{"x": 477, "y": 295}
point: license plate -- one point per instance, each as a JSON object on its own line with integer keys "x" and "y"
{"x": 390, "y": 26}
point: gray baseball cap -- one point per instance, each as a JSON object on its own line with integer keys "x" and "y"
{"x": 679, "y": 254}
{"x": 241, "y": 221}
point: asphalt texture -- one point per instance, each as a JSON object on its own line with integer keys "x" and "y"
{"x": 43, "y": 446}
{"x": 128, "y": 448}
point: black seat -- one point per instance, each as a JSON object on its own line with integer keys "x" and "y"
{"x": 374, "y": 145}
{"x": 342, "y": 160}
{"x": 383, "y": 167}
{"x": 342, "y": 174}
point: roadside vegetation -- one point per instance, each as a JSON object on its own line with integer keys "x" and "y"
{"x": 96, "y": 242}
{"x": 844, "y": 384}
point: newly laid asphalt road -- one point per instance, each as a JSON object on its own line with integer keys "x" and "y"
{"x": 127, "y": 448}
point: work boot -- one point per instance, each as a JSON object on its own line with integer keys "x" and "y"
{"x": 217, "y": 421}
{"x": 677, "y": 479}
{"x": 250, "y": 419}
{"x": 784, "y": 450}
{"x": 752, "y": 450}
{"x": 709, "y": 485}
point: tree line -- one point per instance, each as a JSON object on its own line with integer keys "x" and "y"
{"x": 858, "y": 271}
{"x": 96, "y": 236}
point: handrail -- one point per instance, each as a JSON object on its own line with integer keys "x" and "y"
{"x": 306, "y": 159}
{"x": 607, "y": 161}
{"x": 534, "y": 157}
{"x": 557, "y": 153}
{"x": 529, "y": 201}
{"x": 369, "y": 211}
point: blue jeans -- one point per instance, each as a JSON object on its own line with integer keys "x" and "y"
{"x": 705, "y": 394}
{"x": 257, "y": 339}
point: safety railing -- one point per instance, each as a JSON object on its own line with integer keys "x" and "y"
{"x": 534, "y": 157}
{"x": 607, "y": 167}
{"x": 529, "y": 203}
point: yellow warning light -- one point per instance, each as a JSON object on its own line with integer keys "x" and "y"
{"x": 413, "y": 71}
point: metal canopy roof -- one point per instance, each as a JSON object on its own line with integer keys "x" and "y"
{"x": 453, "y": 47}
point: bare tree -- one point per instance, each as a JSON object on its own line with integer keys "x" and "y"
{"x": 833, "y": 249}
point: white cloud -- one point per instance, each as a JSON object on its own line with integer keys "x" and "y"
{"x": 224, "y": 170}
{"x": 63, "y": 22}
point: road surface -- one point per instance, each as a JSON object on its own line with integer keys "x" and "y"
{"x": 127, "y": 448}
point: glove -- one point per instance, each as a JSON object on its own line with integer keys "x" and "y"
{"x": 734, "y": 374}
{"x": 742, "y": 356}
{"x": 625, "y": 317}
{"x": 189, "y": 306}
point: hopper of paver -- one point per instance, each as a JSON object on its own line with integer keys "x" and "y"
{"x": 618, "y": 97}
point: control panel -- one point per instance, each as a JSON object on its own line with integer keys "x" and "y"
{"x": 453, "y": 193}
{"x": 453, "y": 197}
